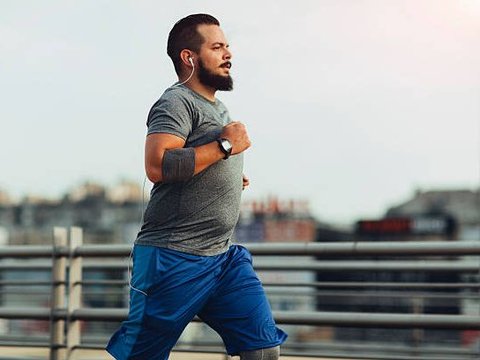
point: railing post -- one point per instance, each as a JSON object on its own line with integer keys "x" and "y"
{"x": 74, "y": 291}
{"x": 57, "y": 300}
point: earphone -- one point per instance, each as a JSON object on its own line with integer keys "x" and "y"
{"x": 129, "y": 274}
{"x": 190, "y": 60}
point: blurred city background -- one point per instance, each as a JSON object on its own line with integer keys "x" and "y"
{"x": 112, "y": 215}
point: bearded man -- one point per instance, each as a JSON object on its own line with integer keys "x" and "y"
{"x": 184, "y": 261}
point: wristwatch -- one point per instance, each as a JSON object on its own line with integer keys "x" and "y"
{"x": 225, "y": 146}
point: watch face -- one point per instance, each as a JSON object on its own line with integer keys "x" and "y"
{"x": 227, "y": 146}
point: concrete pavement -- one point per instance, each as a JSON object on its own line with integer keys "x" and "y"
{"x": 11, "y": 353}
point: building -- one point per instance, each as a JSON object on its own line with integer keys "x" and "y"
{"x": 462, "y": 205}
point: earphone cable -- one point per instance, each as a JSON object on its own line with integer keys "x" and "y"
{"x": 129, "y": 274}
{"x": 191, "y": 74}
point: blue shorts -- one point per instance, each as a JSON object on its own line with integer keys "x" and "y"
{"x": 223, "y": 290}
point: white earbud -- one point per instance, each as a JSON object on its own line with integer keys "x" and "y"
{"x": 190, "y": 60}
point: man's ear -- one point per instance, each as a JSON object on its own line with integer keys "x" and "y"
{"x": 187, "y": 57}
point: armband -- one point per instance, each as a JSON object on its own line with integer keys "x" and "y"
{"x": 178, "y": 165}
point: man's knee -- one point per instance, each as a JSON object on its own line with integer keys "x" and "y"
{"x": 261, "y": 354}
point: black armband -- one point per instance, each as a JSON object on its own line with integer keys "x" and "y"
{"x": 178, "y": 165}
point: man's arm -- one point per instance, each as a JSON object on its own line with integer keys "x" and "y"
{"x": 158, "y": 144}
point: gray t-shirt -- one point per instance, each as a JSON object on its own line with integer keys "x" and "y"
{"x": 197, "y": 216}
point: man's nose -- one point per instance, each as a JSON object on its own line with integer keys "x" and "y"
{"x": 228, "y": 54}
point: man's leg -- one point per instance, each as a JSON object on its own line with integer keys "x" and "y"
{"x": 238, "y": 309}
{"x": 261, "y": 354}
{"x": 170, "y": 288}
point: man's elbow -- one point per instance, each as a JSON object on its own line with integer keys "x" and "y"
{"x": 154, "y": 174}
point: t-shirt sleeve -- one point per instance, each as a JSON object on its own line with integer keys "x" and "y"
{"x": 172, "y": 114}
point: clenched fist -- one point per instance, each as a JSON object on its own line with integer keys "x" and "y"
{"x": 236, "y": 133}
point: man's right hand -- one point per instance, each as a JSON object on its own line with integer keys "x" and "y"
{"x": 236, "y": 133}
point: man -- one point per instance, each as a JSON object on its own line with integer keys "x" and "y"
{"x": 184, "y": 263}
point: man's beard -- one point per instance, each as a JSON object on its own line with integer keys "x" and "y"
{"x": 218, "y": 82}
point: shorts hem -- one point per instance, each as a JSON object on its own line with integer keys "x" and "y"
{"x": 112, "y": 353}
{"x": 237, "y": 352}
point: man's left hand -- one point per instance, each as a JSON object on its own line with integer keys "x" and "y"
{"x": 246, "y": 182}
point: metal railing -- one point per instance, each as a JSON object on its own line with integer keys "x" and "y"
{"x": 68, "y": 258}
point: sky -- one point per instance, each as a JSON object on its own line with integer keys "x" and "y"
{"x": 351, "y": 105}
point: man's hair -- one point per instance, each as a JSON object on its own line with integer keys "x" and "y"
{"x": 184, "y": 35}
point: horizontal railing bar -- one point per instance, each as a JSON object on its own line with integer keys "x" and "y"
{"x": 28, "y": 344}
{"x": 100, "y": 293}
{"x": 32, "y": 251}
{"x": 324, "y": 284}
{"x": 415, "y": 248}
{"x": 348, "y": 284}
{"x": 359, "y": 306}
{"x": 30, "y": 266}
{"x": 371, "y": 265}
{"x": 368, "y": 248}
{"x": 376, "y": 294}
{"x": 30, "y": 283}
{"x": 25, "y": 292}
{"x": 98, "y": 250}
{"x": 309, "y": 293}
{"x": 345, "y": 319}
{"x": 18, "y": 337}
{"x": 102, "y": 282}
{"x": 26, "y": 313}
{"x": 458, "y": 266}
